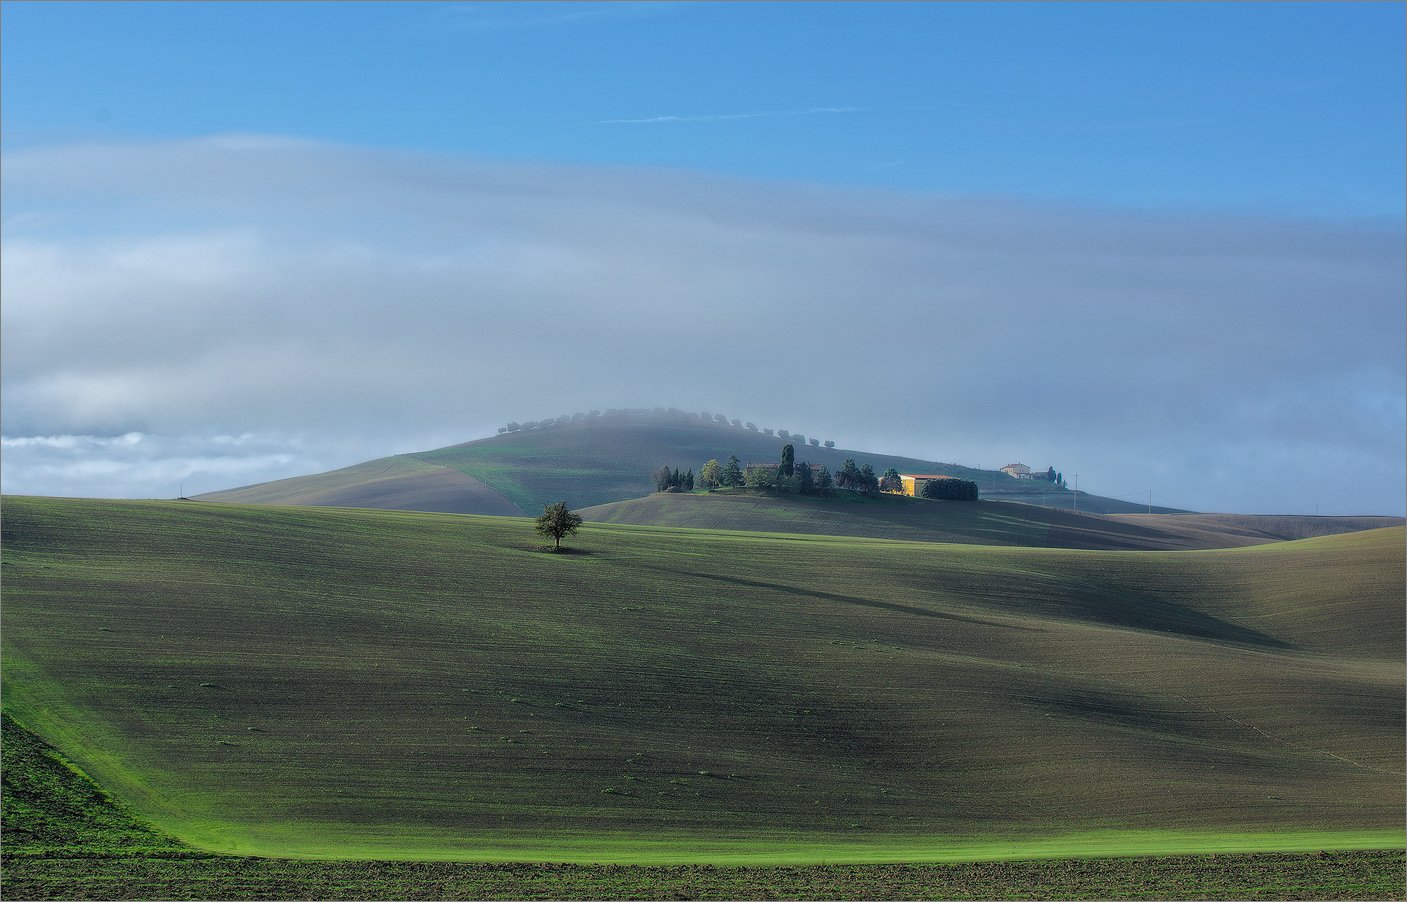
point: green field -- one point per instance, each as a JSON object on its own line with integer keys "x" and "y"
{"x": 66, "y": 839}
{"x": 353, "y": 684}
{"x": 980, "y": 523}
{"x": 594, "y": 462}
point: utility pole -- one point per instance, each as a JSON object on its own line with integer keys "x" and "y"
{"x": 1150, "y": 501}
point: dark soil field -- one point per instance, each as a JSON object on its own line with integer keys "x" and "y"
{"x": 1338, "y": 875}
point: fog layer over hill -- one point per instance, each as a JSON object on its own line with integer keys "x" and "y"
{"x": 272, "y": 307}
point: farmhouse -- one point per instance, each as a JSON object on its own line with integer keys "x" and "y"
{"x": 1020, "y": 471}
{"x": 914, "y": 482}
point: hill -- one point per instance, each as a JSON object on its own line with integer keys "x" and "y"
{"x": 595, "y": 461}
{"x": 980, "y": 523}
{"x": 386, "y": 684}
{"x": 1253, "y": 529}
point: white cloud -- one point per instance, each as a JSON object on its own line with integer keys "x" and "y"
{"x": 68, "y": 442}
{"x": 363, "y": 302}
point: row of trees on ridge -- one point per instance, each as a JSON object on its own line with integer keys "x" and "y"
{"x": 622, "y": 413}
{"x": 806, "y": 479}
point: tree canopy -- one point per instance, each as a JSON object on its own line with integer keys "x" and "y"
{"x": 951, "y": 489}
{"x": 667, "y": 480}
{"x": 733, "y": 473}
{"x": 556, "y": 522}
{"x": 857, "y": 479}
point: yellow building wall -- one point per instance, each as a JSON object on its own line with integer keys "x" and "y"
{"x": 909, "y": 488}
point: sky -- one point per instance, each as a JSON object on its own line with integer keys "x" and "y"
{"x": 1157, "y": 245}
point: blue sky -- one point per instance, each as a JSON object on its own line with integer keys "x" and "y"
{"x": 1270, "y": 107}
{"x": 1159, "y": 245}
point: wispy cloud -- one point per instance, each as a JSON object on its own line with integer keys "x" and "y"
{"x": 134, "y": 464}
{"x": 725, "y": 117}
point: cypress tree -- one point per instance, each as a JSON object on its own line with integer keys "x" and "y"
{"x": 805, "y": 479}
{"x": 733, "y": 474}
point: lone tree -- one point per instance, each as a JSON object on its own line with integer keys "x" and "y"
{"x": 788, "y": 461}
{"x": 556, "y": 521}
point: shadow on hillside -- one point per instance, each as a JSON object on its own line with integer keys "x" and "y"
{"x": 895, "y": 607}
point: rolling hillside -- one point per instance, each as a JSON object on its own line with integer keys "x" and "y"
{"x": 395, "y": 483}
{"x": 593, "y": 462}
{"x": 66, "y": 839}
{"x": 1253, "y": 529}
{"x": 981, "y": 523}
{"x": 386, "y": 684}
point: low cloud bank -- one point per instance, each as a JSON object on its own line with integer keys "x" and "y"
{"x": 141, "y": 466}
{"x": 342, "y": 304}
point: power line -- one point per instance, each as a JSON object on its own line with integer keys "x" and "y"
{"x": 1143, "y": 497}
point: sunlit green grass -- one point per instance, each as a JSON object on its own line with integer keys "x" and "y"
{"x": 778, "y": 850}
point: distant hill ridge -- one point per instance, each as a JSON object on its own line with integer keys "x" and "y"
{"x": 987, "y": 523}
{"x": 661, "y": 413}
{"x": 595, "y": 460}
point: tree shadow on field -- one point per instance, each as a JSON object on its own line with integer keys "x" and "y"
{"x": 892, "y": 606}
{"x": 548, "y": 549}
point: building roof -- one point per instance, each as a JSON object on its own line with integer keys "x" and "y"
{"x": 925, "y": 476}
